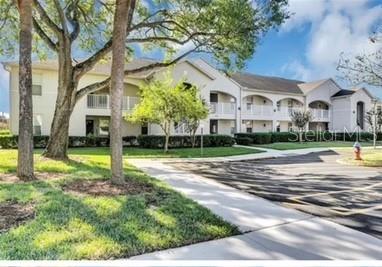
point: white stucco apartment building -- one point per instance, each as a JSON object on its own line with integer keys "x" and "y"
{"x": 241, "y": 102}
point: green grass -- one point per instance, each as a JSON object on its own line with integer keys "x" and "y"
{"x": 296, "y": 145}
{"x": 72, "y": 226}
{"x": 134, "y": 152}
{"x": 370, "y": 158}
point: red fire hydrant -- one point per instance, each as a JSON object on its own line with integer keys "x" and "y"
{"x": 357, "y": 151}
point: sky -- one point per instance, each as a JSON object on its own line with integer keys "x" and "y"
{"x": 306, "y": 47}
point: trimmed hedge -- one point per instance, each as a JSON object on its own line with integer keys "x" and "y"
{"x": 276, "y": 137}
{"x": 181, "y": 141}
{"x": 74, "y": 141}
{"x": 146, "y": 141}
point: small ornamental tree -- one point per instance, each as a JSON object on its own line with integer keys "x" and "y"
{"x": 162, "y": 103}
{"x": 374, "y": 115}
{"x": 374, "y": 118}
{"x": 300, "y": 118}
{"x": 196, "y": 110}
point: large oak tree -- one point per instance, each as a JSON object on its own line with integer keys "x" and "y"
{"x": 117, "y": 86}
{"x": 229, "y": 30}
{"x": 25, "y": 139}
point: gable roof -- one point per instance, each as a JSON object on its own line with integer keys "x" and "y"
{"x": 310, "y": 86}
{"x": 273, "y": 84}
{"x": 343, "y": 92}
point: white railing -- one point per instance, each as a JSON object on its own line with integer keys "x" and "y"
{"x": 103, "y": 102}
{"x": 286, "y": 111}
{"x": 320, "y": 114}
{"x": 258, "y": 110}
{"x": 222, "y": 108}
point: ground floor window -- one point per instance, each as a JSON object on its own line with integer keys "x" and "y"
{"x": 37, "y": 124}
{"x": 278, "y": 127}
{"x": 213, "y": 126}
{"x": 103, "y": 127}
{"x": 145, "y": 129}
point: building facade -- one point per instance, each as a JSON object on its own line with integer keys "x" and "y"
{"x": 241, "y": 102}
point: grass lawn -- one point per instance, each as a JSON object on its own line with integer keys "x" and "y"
{"x": 296, "y": 145}
{"x": 76, "y": 225}
{"x": 135, "y": 152}
{"x": 370, "y": 158}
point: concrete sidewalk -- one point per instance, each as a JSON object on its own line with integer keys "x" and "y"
{"x": 271, "y": 231}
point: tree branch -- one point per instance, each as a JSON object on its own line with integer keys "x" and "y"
{"x": 85, "y": 66}
{"x": 62, "y": 18}
{"x": 51, "y": 44}
{"x": 46, "y": 19}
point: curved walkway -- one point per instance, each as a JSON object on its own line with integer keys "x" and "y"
{"x": 270, "y": 231}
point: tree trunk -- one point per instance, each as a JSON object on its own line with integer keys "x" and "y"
{"x": 193, "y": 139}
{"x": 25, "y": 139}
{"x": 57, "y": 147}
{"x": 300, "y": 136}
{"x": 167, "y": 131}
{"x": 116, "y": 90}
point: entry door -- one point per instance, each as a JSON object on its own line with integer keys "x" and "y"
{"x": 89, "y": 127}
{"x": 213, "y": 126}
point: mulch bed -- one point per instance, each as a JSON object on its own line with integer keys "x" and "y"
{"x": 106, "y": 188}
{"x": 13, "y": 214}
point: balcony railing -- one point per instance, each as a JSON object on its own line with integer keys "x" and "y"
{"x": 320, "y": 114}
{"x": 222, "y": 108}
{"x": 258, "y": 110}
{"x": 103, "y": 102}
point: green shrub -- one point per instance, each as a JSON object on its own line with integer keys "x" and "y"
{"x": 258, "y": 138}
{"x": 244, "y": 141}
{"x": 179, "y": 141}
{"x": 7, "y": 142}
{"x": 5, "y": 132}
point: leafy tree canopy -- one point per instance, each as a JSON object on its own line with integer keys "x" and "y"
{"x": 228, "y": 29}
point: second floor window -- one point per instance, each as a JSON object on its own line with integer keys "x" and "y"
{"x": 36, "y": 89}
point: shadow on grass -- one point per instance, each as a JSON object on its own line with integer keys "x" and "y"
{"x": 70, "y": 226}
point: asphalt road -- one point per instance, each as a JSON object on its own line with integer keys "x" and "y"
{"x": 315, "y": 183}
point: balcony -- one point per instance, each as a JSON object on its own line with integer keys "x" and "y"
{"x": 223, "y": 110}
{"x": 283, "y": 113}
{"x": 258, "y": 112}
{"x": 103, "y": 102}
{"x": 320, "y": 114}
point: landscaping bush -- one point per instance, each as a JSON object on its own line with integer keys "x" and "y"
{"x": 244, "y": 141}
{"x": 180, "y": 141}
{"x": 257, "y": 138}
{"x": 10, "y": 141}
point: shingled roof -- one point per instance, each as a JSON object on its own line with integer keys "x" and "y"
{"x": 273, "y": 84}
{"x": 344, "y": 92}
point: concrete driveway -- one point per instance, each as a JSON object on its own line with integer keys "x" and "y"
{"x": 315, "y": 183}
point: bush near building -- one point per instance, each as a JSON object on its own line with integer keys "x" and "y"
{"x": 145, "y": 141}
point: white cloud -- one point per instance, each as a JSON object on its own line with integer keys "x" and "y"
{"x": 336, "y": 27}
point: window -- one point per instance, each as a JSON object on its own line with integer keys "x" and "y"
{"x": 36, "y": 89}
{"x": 278, "y": 126}
{"x": 145, "y": 129}
{"x": 249, "y": 106}
{"x": 249, "y": 126}
{"x": 290, "y": 103}
{"x": 37, "y": 124}
{"x": 290, "y": 126}
{"x": 103, "y": 127}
